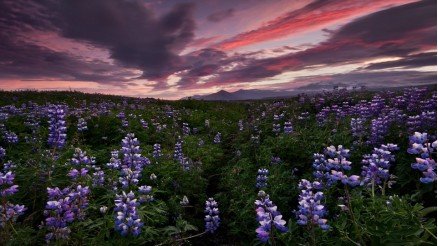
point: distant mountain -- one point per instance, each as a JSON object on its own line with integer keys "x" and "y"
{"x": 254, "y": 94}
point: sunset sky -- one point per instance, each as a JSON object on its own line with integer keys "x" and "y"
{"x": 173, "y": 49}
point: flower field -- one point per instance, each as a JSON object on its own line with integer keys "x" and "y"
{"x": 336, "y": 168}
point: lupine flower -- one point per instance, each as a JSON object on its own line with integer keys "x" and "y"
{"x": 144, "y": 124}
{"x": 329, "y": 167}
{"x": 184, "y": 201}
{"x": 275, "y": 160}
{"x": 288, "y": 127}
{"x": 62, "y": 208}
{"x": 276, "y": 128}
{"x": 268, "y": 217}
{"x": 157, "y": 151}
{"x": 178, "y": 152}
{"x": 115, "y": 162}
{"x": 2, "y": 153}
{"x": 186, "y": 129}
{"x": 240, "y": 125}
{"x": 420, "y": 145}
{"x": 375, "y": 168}
{"x": 103, "y": 209}
{"x": 212, "y": 220}
{"x": 217, "y": 138}
{"x": 262, "y": 178}
{"x": 127, "y": 221}
{"x": 357, "y": 127}
{"x": 10, "y": 137}
{"x": 8, "y": 211}
{"x": 98, "y": 178}
{"x": 310, "y": 209}
{"x": 57, "y": 127}
{"x": 82, "y": 125}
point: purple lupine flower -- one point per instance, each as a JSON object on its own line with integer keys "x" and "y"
{"x": 144, "y": 124}
{"x": 98, "y": 178}
{"x": 262, "y": 178}
{"x": 276, "y": 128}
{"x": 80, "y": 158}
{"x": 310, "y": 210}
{"x": 82, "y": 125}
{"x": 240, "y": 125}
{"x": 329, "y": 167}
{"x": 275, "y": 160}
{"x": 178, "y": 151}
{"x": 186, "y": 129}
{"x": 2, "y": 153}
{"x": 358, "y": 127}
{"x": 115, "y": 162}
{"x": 57, "y": 126}
{"x": 376, "y": 166}
{"x": 145, "y": 194}
{"x": 8, "y": 211}
{"x": 10, "y": 137}
{"x": 217, "y": 138}
{"x": 288, "y": 129}
{"x": 268, "y": 217}
{"x": 420, "y": 145}
{"x": 157, "y": 151}
{"x": 127, "y": 220}
{"x": 212, "y": 220}
{"x": 62, "y": 207}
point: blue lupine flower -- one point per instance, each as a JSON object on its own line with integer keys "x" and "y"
{"x": 288, "y": 127}
{"x": 212, "y": 220}
{"x": 57, "y": 126}
{"x": 268, "y": 217}
{"x": 157, "y": 151}
{"x": 262, "y": 178}
{"x": 127, "y": 221}
{"x": 217, "y": 138}
{"x": 376, "y": 166}
{"x": 420, "y": 145}
{"x": 310, "y": 209}
{"x": 82, "y": 125}
{"x": 8, "y": 211}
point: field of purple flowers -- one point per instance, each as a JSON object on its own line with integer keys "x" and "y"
{"x": 337, "y": 168}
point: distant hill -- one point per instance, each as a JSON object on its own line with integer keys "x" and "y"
{"x": 254, "y": 94}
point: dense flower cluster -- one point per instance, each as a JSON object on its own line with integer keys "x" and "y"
{"x": 62, "y": 208}
{"x": 329, "y": 168}
{"x": 420, "y": 144}
{"x": 212, "y": 220}
{"x": 310, "y": 210}
{"x": 268, "y": 217}
{"x": 375, "y": 168}
{"x": 57, "y": 126}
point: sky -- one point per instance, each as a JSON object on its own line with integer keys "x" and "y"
{"x": 176, "y": 48}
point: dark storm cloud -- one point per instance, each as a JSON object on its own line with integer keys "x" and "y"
{"x": 221, "y": 15}
{"x": 411, "y": 61}
{"x": 390, "y": 32}
{"x": 20, "y": 59}
{"x": 133, "y": 34}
